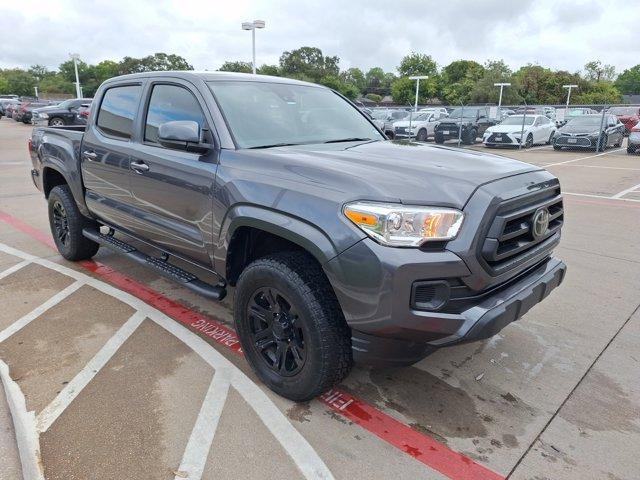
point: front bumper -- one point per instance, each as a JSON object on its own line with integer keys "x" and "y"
{"x": 585, "y": 141}
{"x": 498, "y": 139}
{"x": 377, "y": 286}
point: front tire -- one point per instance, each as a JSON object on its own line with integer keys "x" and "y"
{"x": 66, "y": 224}
{"x": 291, "y": 327}
{"x": 422, "y": 135}
{"x": 550, "y": 141}
{"x": 439, "y": 138}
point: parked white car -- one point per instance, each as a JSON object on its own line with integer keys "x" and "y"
{"x": 422, "y": 125}
{"x": 441, "y": 110}
{"x": 537, "y": 129}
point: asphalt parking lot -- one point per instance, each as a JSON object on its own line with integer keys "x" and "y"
{"x": 110, "y": 371}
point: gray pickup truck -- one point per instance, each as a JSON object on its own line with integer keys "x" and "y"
{"x": 342, "y": 246}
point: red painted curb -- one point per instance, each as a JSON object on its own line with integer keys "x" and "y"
{"x": 423, "y": 448}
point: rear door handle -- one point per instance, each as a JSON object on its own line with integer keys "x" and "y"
{"x": 139, "y": 167}
{"x": 89, "y": 155}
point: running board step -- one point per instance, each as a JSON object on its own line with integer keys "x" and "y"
{"x": 187, "y": 279}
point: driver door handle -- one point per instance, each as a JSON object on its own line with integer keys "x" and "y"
{"x": 89, "y": 155}
{"x": 139, "y": 167}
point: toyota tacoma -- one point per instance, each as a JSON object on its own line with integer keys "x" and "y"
{"x": 341, "y": 246}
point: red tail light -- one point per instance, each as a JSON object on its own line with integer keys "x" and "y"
{"x": 30, "y": 145}
{"x": 84, "y": 113}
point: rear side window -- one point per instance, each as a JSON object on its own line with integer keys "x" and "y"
{"x": 118, "y": 109}
{"x": 169, "y": 103}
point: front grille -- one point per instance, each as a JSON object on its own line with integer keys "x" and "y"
{"x": 512, "y": 238}
{"x": 569, "y": 141}
{"x": 499, "y": 138}
{"x": 401, "y": 129}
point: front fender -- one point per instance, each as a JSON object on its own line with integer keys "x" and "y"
{"x": 291, "y": 228}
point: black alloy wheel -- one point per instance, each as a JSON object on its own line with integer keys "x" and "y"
{"x": 276, "y": 332}
{"x": 60, "y": 223}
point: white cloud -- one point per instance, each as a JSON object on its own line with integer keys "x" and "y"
{"x": 560, "y": 34}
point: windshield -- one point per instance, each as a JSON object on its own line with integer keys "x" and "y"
{"x": 517, "y": 120}
{"x": 576, "y": 112}
{"x": 262, "y": 114}
{"x": 586, "y": 120}
{"x": 464, "y": 112}
{"x": 380, "y": 114}
{"x": 65, "y": 104}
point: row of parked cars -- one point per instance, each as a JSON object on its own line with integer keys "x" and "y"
{"x": 74, "y": 111}
{"x": 576, "y": 127}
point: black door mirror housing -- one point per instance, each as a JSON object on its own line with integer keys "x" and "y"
{"x": 182, "y": 135}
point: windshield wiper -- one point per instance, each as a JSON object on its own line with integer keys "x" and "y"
{"x": 352, "y": 139}
{"x": 273, "y": 145}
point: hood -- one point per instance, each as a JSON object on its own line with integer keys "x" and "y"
{"x": 584, "y": 129}
{"x": 457, "y": 121}
{"x": 507, "y": 128}
{"x": 385, "y": 171}
{"x": 46, "y": 109}
{"x": 405, "y": 123}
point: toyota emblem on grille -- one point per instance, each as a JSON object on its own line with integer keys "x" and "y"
{"x": 540, "y": 223}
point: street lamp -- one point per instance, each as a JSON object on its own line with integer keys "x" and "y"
{"x": 501, "y": 85}
{"x": 569, "y": 87}
{"x": 252, "y": 26}
{"x": 417, "y": 78}
{"x": 75, "y": 57}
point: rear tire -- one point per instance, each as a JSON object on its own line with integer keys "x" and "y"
{"x": 631, "y": 149}
{"x": 57, "y": 122}
{"x": 66, "y": 224}
{"x": 291, "y": 327}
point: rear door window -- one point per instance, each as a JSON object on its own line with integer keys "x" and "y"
{"x": 118, "y": 109}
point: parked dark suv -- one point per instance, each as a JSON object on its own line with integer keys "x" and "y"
{"x": 342, "y": 246}
{"x": 472, "y": 120}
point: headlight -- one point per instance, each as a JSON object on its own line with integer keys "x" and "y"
{"x": 399, "y": 225}
{"x": 595, "y": 134}
{"x": 42, "y": 115}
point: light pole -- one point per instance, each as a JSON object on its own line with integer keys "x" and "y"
{"x": 417, "y": 78}
{"x": 501, "y": 85}
{"x": 569, "y": 87}
{"x": 252, "y": 26}
{"x": 36, "y": 89}
{"x": 75, "y": 57}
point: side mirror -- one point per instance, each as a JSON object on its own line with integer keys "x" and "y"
{"x": 182, "y": 135}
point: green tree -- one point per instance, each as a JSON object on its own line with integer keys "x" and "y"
{"x": 19, "y": 82}
{"x": 403, "y": 90}
{"x": 272, "y": 70}
{"x": 153, "y": 63}
{"x": 595, "y": 71}
{"x": 458, "y": 79}
{"x": 336, "y": 83}
{"x": 598, "y": 93}
{"x": 240, "y": 67}
{"x": 417, "y": 64}
{"x": 629, "y": 81}
{"x": 308, "y": 62}
{"x": 485, "y": 92}
{"x": 460, "y": 70}
{"x": 355, "y": 77}
{"x": 56, "y": 84}
{"x": 375, "y": 77}
{"x": 4, "y": 85}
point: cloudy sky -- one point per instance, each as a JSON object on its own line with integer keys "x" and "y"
{"x": 562, "y": 34}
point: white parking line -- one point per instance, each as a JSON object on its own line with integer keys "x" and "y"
{"x": 603, "y": 166}
{"x": 35, "y": 313}
{"x": 24, "y": 427}
{"x": 52, "y": 411}
{"x": 297, "y": 447}
{"x": 600, "y": 196}
{"x": 14, "y": 268}
{"x": 196, "y": 452}
{"x": 628, "y": 190}
{"x": 582, "y": 158}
